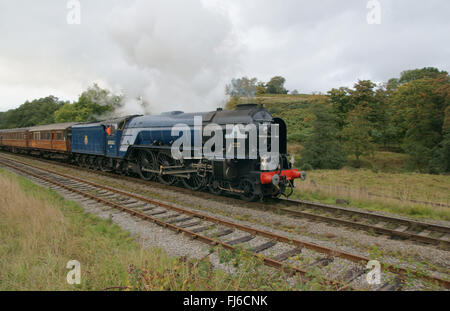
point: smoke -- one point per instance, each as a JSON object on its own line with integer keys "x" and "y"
{"x": 179, "y": 55}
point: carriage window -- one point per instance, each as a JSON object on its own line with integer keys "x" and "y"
{"x": 58, "y": 136}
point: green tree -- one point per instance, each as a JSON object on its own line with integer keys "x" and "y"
{"x": 37, "y": 112}
{"x": 322, "y": 148}
{"x": 363, "y": 94}
{"x": 92, "y": 105}
{"x": 340, "y": 101}
{"x": 356, "y": 134}
{"x": 416, "y": 74}
{"x": 260, "y": 88}
{"x": 440, "y": 162}
{"x": 392, "y": 85}
{"x": 276, "y": 86}
{"x": 421, "y": 106}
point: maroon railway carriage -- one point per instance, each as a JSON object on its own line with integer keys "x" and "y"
{"x": 50, "y": 140}
{"x": 14, "y": 140}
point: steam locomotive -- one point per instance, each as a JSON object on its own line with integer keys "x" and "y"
{"x": 144, "y": 145}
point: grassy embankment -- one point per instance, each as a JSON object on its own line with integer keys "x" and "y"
{"x": 40, "y": 232}
{"x": 389, "y": 192}
{"x": 382, "y": 183}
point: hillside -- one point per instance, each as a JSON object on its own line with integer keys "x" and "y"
{"x": 293, "y": 109}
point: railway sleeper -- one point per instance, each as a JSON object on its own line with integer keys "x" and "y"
{"x": 396, "y": 285}
{"x": 157, "y": 213}
{"x": 131, "y": 201}
{"x": 263, "y": 247}
{"x": 191, "y": 224}
{"x": 322, "y": 261}
{"x": 222, "y": 233}
{"x": 148, "y": 209}
{"x": 179, "y": 220}
{"x": 353, "y": 274}
{"x": 201, "y": 229}
{"x": 241, "y": 240}
{"x": 170, "y": 217}
{"x": 284, "y": 256}
{"x": 137, "y": 205}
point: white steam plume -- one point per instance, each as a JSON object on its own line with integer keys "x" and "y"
{"x": 179, "y": 54}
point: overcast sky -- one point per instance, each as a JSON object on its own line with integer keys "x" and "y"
{"x": 179, "y": 54}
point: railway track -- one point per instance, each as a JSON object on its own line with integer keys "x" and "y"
{"x": 395, "y": 227}
{"x": 214, "y": 231}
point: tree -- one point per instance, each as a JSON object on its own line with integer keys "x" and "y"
{"x": 294, "y": 92}
{"x": 91, "y": 106}
{"x": 440, "y": 161}
{"x": 276, "y": 86}
{"x": 384, "y": 130}
{"x": 340, "y": 101}
{"x": 322, "y": 148}
{"x": 242, "y": 87}
{"x": 421, "y": 106}
{"x": 37, "y": 112}
{"x": 260, "y": 88}
{"x": 356, "y": 134}
{"x": 392, "y": 85}
{"x": 363, "y": 94}
{"x": 416, "y": 74}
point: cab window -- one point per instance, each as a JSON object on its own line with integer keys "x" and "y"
{"x": 111, "y": 130}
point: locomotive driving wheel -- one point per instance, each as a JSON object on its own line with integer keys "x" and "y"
{"x": 194, "y": 182}
{"x": 214, "y": 186}
{"x": 146, "y": 160}
{"x": 103, "y": 164}
{"x": 249, "y": 190}
{"x": 165, "y": 160}
{"x": 83, "y": 161}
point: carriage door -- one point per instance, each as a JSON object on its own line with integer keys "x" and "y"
{"x": 111, "y": 141}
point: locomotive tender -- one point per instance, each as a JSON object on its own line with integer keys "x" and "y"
{"x": 143, "y": 145}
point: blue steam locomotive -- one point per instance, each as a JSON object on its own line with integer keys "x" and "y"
{"x": 144, "y": 145}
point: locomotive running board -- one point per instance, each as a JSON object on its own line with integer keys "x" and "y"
{"x": 172, "y": 172}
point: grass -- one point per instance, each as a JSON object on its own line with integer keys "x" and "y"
{"x": 389, "y": 162}
{"x": 394, "y": 191}
{"x": 40, "y": 232}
